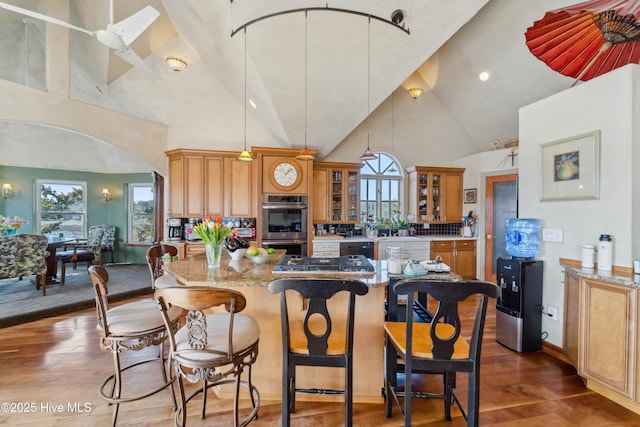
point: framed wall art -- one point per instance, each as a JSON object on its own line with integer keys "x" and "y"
{"x": 470, "y": 195}
{"x": 570, "y": 168}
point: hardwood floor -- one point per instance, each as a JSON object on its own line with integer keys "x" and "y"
{"x": 52, "y": 367}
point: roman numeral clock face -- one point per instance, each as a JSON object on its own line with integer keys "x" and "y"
{"x": 285, "y": 174}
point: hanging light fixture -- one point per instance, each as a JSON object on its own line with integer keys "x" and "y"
{"x": 368, "y": 154}
{"x": 245, "y": 156}
{"x": 415, "y": 92}
{"x": 305, "y": 154}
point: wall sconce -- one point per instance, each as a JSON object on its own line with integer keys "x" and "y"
{"x": 106, "y": 194}
{"x": 7, "y": 190}
{"x": 176, "y": 64}
{"x": 415, "y": 92}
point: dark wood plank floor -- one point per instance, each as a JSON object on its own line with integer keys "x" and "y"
{"x": 53, "y": 367}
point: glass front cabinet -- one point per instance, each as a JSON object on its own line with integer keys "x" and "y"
{"x": 336, "y": 196}
{"x": 435, "y": 194}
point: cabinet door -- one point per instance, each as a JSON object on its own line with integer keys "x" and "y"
{"x": 320, "y": 204}
{"x": 608, "y": 343}
{"x": 239, "y": 189}
{"x": 176, "y": 186}
{"x": 194, "y": 186}
{"x": 336, "y": 196}
{"x": 571, "y": 317}
{"x": 452, "y": 199}
{"x": 213, "y": 191}
{"x": 443, "y": 249}
{"x": 352, "y": 197}
{"x": 465, "y": 259}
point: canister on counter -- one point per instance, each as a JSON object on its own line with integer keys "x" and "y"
{"x": 587, "y": 256}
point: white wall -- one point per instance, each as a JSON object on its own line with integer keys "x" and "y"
{"x": 606, "y": 104}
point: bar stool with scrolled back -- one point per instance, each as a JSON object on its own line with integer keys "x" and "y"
{"x": 129, "y": 326}
{"x": 155, "y": 254}
{"x": 316, "y": 341}
{"x": 211, "y": 348}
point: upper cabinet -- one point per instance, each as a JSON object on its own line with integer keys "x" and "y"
{"x": 336, "y": 193}
{"x": 210, "y": 183}
{"x": 435, "y": 194}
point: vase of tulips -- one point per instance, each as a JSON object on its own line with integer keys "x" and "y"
{"x": 213, "y": 233}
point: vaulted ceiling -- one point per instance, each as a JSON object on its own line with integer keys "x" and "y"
{"x": 316, "y": 77}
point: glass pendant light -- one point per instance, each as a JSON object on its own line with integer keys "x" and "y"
{"x": 368, "y": 154}
{"x": 245, "y": 156}
{"x": 305, "y": 154}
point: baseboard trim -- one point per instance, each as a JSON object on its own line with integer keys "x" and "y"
{"x": 555, "y": 351}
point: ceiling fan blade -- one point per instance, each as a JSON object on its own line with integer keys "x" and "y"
{"x": 42, "y": 17}
{"x": 132, "y": 58}
{"x": 130, "y": 28}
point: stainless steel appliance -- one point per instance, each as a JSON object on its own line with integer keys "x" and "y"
{"x": 175, "y": 228}
{"x": 519, "y": 307}
{"x": 246, "y": 232}
{"x": 284, "y": 223}
{"x": 356, "y": 264}
{"x": 357, "y": 248}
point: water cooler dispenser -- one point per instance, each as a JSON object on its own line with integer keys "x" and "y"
{"x": 519, "y": 307}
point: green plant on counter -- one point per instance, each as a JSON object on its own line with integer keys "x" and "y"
{"x": 385, "y": 224}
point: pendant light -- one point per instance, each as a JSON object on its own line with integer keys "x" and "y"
{"x": 245, "y": 156}
{"x": 305, "y": 154}
{"x": 368, "y": 154}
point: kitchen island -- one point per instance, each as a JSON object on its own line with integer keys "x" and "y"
{"x": 252, "y": 280}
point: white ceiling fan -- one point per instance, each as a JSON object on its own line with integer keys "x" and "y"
{"x": 116, "y": 36}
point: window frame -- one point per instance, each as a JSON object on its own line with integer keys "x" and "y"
{"x": 131, "y": 214}
{"x": 380, "y": 178}
{"x": 39, "y": 210}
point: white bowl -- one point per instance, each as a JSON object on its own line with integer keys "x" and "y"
{"x": 238, "y": 253}
{"x": 259, "y": 259}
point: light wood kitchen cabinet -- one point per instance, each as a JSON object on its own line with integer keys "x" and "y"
{"x": 571, "y": 313}
{"x": 608, "y": 334}
{"x": 460, "y": 255}
{"x": 210, "y": 183}
{"x": 435, "y": 194}
{"x": 601, "y": 336}
{"x": 336, "y": 193}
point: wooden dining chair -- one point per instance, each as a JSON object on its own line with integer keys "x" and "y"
{"x": 318, "y": 340}
{"x": 437, "y": 347}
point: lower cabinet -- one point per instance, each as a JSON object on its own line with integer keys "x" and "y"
{"x": 601, "y": 336}
{"x": 326, "y": 249}
{"x": 416, "y": 250}
{"x": 460, "y": 255}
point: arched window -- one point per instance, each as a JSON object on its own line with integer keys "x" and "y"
{"x": 381, "y": 188}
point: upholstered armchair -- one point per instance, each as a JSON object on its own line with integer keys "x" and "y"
{"x": 24, "y": 255}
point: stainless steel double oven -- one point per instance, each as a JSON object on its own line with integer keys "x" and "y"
{"x": 284, "y": 223}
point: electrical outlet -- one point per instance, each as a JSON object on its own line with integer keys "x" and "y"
{"x": 552, "y": 235}
{"x": 552, "y": 312}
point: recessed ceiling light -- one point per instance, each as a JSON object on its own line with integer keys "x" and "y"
{"x": 483, "y": 76}
{"x": 253, "y": 104}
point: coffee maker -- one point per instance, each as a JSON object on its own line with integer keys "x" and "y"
{"x": 175, "y": 227}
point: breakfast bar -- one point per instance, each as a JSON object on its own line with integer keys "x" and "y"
{"x": 265, "y": 308}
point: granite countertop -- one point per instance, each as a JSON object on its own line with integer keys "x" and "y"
{"x": 613, "y": 277}
{"x": 193, "y": 271}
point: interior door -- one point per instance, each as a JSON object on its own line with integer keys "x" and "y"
{"x": 501, "y": 203}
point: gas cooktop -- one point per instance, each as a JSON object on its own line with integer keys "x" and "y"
{"x": 345, "y": 264}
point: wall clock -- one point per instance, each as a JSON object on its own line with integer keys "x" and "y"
{"x": 285, "y": 174}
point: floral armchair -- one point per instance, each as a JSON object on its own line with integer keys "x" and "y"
{"x": 24, "y": 255}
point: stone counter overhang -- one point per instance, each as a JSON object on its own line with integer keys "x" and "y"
{"x": 618, "y": 276}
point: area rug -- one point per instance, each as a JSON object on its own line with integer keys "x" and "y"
{"x": 20, "y": 302}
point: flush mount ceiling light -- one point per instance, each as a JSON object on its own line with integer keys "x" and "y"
{"x": 176, "y": 64}
{"x": 483, "y": 76}
{"x": 415, "y": 92}
{"x": 305, "y": 154}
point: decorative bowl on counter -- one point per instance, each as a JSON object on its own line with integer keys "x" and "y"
{"x": 259, "y": 259}
{"x": 238, "y": 253}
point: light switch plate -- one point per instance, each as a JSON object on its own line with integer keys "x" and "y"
{"x": 552, "y": 235}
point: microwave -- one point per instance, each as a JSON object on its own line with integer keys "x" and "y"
{"x": 246, "y": 233}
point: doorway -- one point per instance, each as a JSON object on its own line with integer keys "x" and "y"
{"x": 501, "y": 203}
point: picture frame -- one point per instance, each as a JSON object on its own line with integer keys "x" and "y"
{"x": 470, "y": 195}
{"x": 570, "y": 168}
